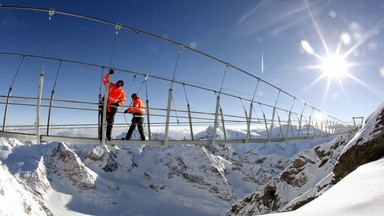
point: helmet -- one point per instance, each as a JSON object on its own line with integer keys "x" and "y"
{"x": 121, "y": 81}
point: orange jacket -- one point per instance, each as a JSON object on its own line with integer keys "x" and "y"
{"x": 116, "y": 95}
{"x": 137, "y": 107}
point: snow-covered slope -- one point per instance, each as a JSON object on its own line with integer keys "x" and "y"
{"x": 307, "y": 175}
{"x": 359, "y": 193}
{"x": 16, "y": 198}
{"x": 313, "y": 172}
{"x": 366, "y": 146}
{"x": 138, "y": 180}
{"x": 73, "y": 179}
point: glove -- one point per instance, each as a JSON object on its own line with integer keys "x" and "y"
{"x": 111, "y": 71}
{"x": 126, "y": 111}
{"x": 116, "y": 104}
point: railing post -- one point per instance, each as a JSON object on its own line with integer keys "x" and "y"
{"x": 38, "y": 105}
{"x": 309, "y": 122}
{"x": 104, "y": 119}
{"x": 301, "y": 118}
{"x": 148, "y": 121}
{"x": 336, "y": 123}
{"x": 215, "y": 123}
{"x": 223, "y": 125}
{"x": 288, "y": 124}
{"x": 271, "y": 129}
{"x": 249, "y": 124}
{"x": 289, "y": 119}
{"x": 281, "y": 130}
{"x": 49, "y": 112}
{"x": 273, "y": 116}
{"x": 266, "y": 127}
{"x": 167, "y": 118}
{"x": 6, "y": 108}
{"x": 99, "y": 117}
{"x": 190, "y": 121}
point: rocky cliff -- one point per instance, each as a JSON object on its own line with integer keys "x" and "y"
{"x": 313, "y": 172}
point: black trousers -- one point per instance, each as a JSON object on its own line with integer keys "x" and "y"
{"x": 136, "y": 121}
{"x": 110, "y": 120}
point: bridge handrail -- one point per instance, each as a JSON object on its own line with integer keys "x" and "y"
{"x": 169, "y": 41}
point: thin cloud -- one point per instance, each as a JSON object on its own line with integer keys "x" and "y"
{"x": 273, "y": 16}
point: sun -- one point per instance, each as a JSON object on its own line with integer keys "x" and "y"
{"x": 334, "y": 66}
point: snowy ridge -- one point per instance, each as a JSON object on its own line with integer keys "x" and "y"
{"x": 84, "y": 179}
{"x": 370, "y": 129}
{"x": 360, "y": 193}
{"x": 16, "y": 198}
{"x": 142, "y": 180}
{"x": 295, "y": 182}
{"x": 332, "y": 162}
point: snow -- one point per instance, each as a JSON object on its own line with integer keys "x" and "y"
{"x": 74, "y": 179}
{"x": 359, "y": 193}
{"x": 366, "y": 132}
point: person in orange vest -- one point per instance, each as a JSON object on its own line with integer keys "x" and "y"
{"x": 137, "y": 111}
{"x": 116, "y": 97}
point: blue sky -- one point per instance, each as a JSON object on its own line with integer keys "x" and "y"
{"x": 238, "y": 32}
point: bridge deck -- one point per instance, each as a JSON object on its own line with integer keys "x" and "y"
{"x": 159, "y": 143}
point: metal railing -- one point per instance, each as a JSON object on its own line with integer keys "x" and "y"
{"x": 289, "y": 125}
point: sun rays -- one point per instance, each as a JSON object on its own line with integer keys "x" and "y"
{"x": 334, "y": 65}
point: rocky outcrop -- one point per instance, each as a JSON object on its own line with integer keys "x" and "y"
{"x": 16, "y": 198}
{"x": 62, "y": 163}
{"x": 298, "y": 182}
{"x": 313, "y": 172}
{"x": 367, "y": 146}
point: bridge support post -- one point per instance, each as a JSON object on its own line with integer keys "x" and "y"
{"x": 248, "y": 136}
{"x": 271, "y": 129}
{"x": 99, "y": 117}
{"x": 336, "y": 125}
{"x": 38, "y": 105}
{"x": 167, "y": 118}
{"x": 215, "y": 123}
{"x": 266, "y": 127}
{"x": 190, "y": 121}
{"x": 273, "y": 116}
{"x": 6, "y": 108}
{"x": 301, "y": 118}
{"x": 104, "y": 119}
{"x": 281, "y": 130}
{"x": 49, "y": 111}
{"x": 223, "y": 125}
{"x": 309, "y": 123}
{"x": 288, "y": 125}
{"x": 148, "y": 120}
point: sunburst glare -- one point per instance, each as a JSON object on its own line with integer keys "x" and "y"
{"x": 334, "y": 66}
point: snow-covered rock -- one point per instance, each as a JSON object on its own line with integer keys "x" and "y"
{"x": 74, "y": 179}
{"x": 16, "y": 198}
{"x": 300, "y": 179}
{"x": 64, "y": 164}
{"x": 366, "y": 146}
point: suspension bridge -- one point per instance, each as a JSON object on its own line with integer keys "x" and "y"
{"x": 281, "y": 115}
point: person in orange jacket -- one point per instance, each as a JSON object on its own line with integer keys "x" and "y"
{"x": 137, "y": 110}
{"x": 116, "y": 97}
